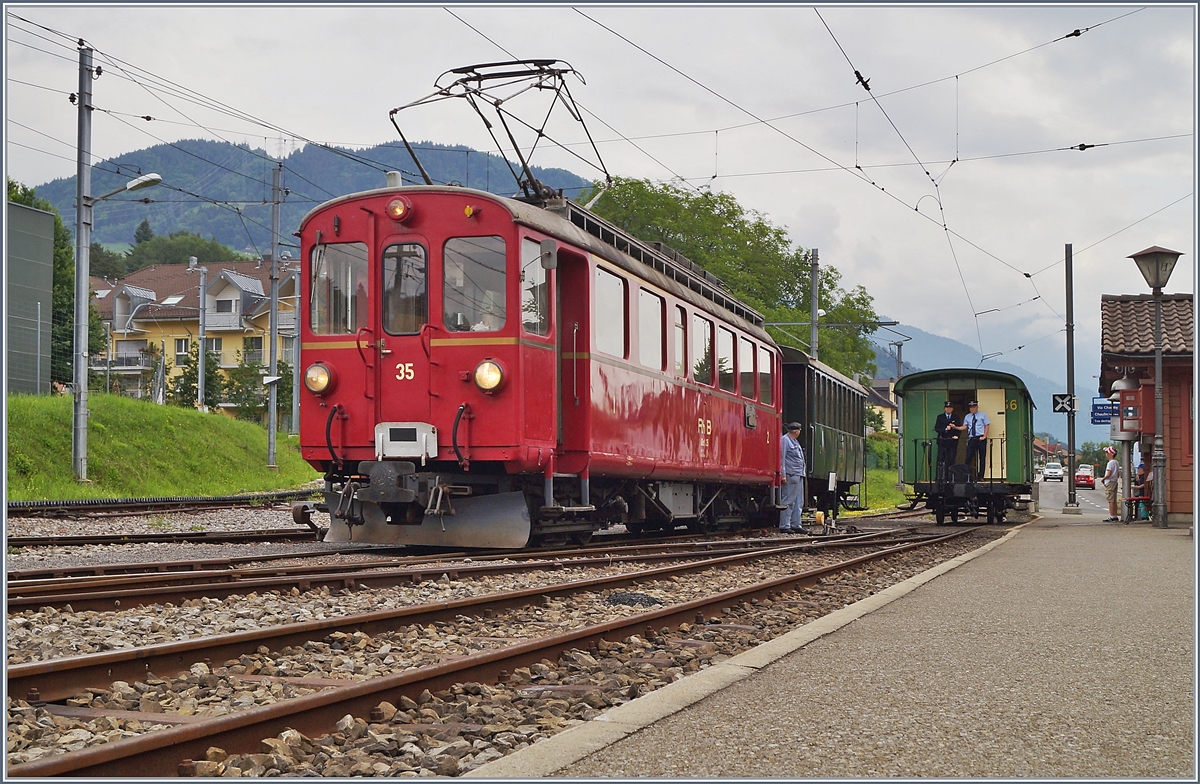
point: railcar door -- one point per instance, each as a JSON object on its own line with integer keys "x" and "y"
{"x": 538, "y": 331}
{"x": 991, "y": 402}
{"x": 402, "y": 350}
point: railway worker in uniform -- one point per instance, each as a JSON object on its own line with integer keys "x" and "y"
{"x": 1112, "y": 472}
{"x": 977, "y": 424}
{"x": 947, "y": 427}
{"x": 793, "y": 488}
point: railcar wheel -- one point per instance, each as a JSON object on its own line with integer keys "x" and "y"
{"x": 939, "y": 515}
{"x": 954, "y": 516}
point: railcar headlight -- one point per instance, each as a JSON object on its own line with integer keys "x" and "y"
{"x": 488, "y": 375}
{"x": 400, "y": 209}
{"x": 318, "y": 379}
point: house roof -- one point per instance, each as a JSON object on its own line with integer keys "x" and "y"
{"x": 173, "y": 280}
{"x": 877, "y": 399}
{"x": 1127, "y": 324}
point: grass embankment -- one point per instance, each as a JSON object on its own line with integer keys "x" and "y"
{"x": 138, "y": 449}
{"x": 881, "y": 491}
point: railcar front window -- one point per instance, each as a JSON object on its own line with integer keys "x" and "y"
{"x": 702, "y": 350}
{"x": 473, "y": 273}
{"x": 535, "y": 292}
{"x": 405, "y": 308}
{"x": 338, "y": 299}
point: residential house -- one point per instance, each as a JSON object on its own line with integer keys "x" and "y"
{"x": 1127, "y": 351}
{"x": 155, "y": 312}
{"x": 881, "y": 396}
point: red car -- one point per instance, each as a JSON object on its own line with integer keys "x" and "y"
{"x": 1084, "y": 477}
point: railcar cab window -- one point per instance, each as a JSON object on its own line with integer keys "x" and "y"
{"x": 746, "y": 368}
{"x": 681, "y": 363}
{"x": 535, "y": 293}
{"x": 765, "y": 389}
{"x": 405, "y": 309}
{"x": 611, "y": 316}
{"x": 650, "y": 329}
{"x": 725, "y": 374}
{"x": 702, "y": 350}
{"x": 473, "y": 269}
{"x": 338, "y": 301}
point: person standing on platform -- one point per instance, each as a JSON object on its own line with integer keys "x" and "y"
{"x": 1112, "y": 472}
{"x": 977, "y": 425}
{"x": 794, "y": 471}
{"x": 946, "y": 427}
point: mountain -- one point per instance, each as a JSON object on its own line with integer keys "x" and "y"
{"x": 927, "y": 351}
{"x": 222, "y": 191}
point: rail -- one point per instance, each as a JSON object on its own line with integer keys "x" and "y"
{"x": 85, "y": 506}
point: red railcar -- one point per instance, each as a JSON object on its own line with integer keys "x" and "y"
{"x": 480, "y": 370}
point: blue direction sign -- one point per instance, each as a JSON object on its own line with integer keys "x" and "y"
{"x": 1103, "y": 410}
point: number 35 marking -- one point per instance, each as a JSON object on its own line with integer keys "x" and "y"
{"x": 404, "y": 371}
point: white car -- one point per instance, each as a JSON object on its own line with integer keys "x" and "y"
{"x": 1052, "y": 471}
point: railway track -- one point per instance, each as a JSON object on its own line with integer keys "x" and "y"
{"x": 161, "y": 752}
{"x": 175, "y": 587}
{"x": 127, "y": 506}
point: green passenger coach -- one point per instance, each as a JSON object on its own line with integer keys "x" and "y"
{"x": 1005, "y": 478}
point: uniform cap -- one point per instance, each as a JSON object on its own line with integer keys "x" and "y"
{"x": 947, "y": 403}
{"x": 973, "y": 403}
{"x": 790, "y": 426}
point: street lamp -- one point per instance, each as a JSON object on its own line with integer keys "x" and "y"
{"x": 83, "y": 243}
{"x": 203, "y": 351}
{"x": 1156, "y": 264}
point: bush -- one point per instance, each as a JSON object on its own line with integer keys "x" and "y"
{"x": 883, "y": 450}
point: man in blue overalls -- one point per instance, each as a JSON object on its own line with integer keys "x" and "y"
{"x": 793, "y": 481}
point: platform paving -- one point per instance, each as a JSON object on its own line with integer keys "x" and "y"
{"x": 1065, "y": 649}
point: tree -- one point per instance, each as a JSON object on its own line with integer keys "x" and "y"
{"x": 183, "y": 387}
{"x": 176, "y": 248}
{"x": 246, "y": 391}
{"x": 143, "y": 233}
{"x": 753, "y": 257}
{"x": 103, "y": 263}
{"x": 874, "y": 419}
{"x": 62, "y": 296}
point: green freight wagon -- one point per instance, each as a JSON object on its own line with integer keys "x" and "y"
{"x": 958, "y": 490}
{"x": 832, "y": 411}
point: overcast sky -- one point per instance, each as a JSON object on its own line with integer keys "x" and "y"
{"x": 966, "y": 184}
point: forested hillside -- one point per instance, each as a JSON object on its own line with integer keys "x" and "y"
{"x": 223, "y": 191}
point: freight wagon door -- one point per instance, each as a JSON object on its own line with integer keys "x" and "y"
{"x": 991, "y": 402}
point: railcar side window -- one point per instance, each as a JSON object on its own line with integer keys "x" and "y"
{"x": 650, "y": 329}
{"x": 611, "y": 317}
{"x": 338, "y": 301}
{"x": 535, "y": 293}
{"x": 746, "y": 368}
{"x": 681, "y": 363}
{"x": 702, "y": 350}
{"x": 473, "y": 275}
{"x": 405, "y": 309}
{"x": 725, "y": 373}
{"x": 765, "y": 390}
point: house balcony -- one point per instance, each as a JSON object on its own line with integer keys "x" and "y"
{"x": 222, "y": 321}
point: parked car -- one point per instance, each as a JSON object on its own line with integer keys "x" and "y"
{"x": 1084, "y": 477}
{"x": 1052, "y": 471}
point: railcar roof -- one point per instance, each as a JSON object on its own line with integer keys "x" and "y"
{"x": 795, "y": 356}
{"x": 555, "y": 225}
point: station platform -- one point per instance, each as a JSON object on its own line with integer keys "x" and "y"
{"x": 1064, "y": 649}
